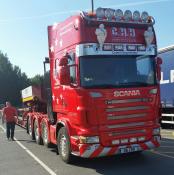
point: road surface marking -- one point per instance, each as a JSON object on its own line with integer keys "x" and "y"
{"x": 167, "y": 141}
{"x": 166, "y": 134}
{"x": 2, "y": 128}
{"x": 166, "y": 146}
{"x": 167, "y": 152}
{"x": 166, "y": 131}
{"x": 161, "y": 154}
{"x": 172, "y": 138}
{"x": 51, "y": 172}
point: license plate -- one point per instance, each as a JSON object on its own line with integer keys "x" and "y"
{"x": 128, "y": 149}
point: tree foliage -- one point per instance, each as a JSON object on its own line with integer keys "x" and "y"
{"x": 36, "y": 80}
{"x": 12, "y": 81}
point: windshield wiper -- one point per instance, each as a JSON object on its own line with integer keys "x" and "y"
{"x": 118, "y": 85}
{"x": 101, "y": 86}
{"x": 136, "y": 83}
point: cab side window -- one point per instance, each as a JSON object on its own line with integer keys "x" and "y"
{"x": 72, "y": 66}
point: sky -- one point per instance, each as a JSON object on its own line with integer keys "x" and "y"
{"x": 23, "y": 25}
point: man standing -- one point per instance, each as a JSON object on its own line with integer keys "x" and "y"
{"x": 10, "y": 114}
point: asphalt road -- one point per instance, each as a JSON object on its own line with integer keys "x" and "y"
{"x": 25, "y": 157}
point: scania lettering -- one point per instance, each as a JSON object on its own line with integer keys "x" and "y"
{"x": 104, "y": 96}
{"x": 126, "y": 93}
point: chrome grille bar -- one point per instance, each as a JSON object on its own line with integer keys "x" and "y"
{"x": 126, "y": 116}
{"x": 126, "y": 108}
{"x": 127, "y": 101}
{"x": 126, "y": 125}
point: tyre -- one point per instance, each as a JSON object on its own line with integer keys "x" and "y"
{"x": 45, "y": 131}
{"x": 30, "y": 130}
{"x": 63, "y": 145}
{"x": 36, "y": 133}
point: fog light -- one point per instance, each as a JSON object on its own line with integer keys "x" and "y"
{"x": 132, "y": 140}
{"x": 115, "y": 142}
{"x": 156, "y": 131}
{"x": 124, "y": 141}
{"x": 141, "y": 139}
{"x": 94, "y": 139}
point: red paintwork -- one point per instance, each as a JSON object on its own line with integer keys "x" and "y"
{"x": 83, "y": 115}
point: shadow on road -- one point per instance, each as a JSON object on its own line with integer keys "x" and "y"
{"x": 114, "y": 164}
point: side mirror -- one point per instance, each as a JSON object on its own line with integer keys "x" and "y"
{"x": 159, "y": 60}
{"x": 64, "y": 71}
{"x": 63, "y": 61}
{"x": 158, "y": 66}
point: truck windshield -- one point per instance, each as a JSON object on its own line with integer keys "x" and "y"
{"x": 117, "y": 71}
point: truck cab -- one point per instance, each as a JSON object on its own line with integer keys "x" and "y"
{"x": 104, "y": 83}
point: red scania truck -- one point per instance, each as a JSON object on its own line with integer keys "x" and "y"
{"x": 104, "y": 97}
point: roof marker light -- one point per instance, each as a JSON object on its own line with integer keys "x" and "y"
{"x": 127, "y": 15}
{"x": 144, "y": 16}
{"x": 100, "y": 13}
{"x": 109, "y": 13}
{"x": 118, "y": 14}
{"x": 136, "y": 15}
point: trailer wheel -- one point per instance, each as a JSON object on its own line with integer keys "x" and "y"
{"x": 63, "y": 145}
{"x": 45, "y": 135}
{"x": 36, "y": 132}
{"x": 30, "y": 131}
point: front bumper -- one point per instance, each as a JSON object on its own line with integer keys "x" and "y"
{"x": 97, "y": 150}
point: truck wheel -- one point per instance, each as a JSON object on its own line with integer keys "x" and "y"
{"x": 30, "y": 131}
{"x": 36, "y": 132}
{"x": 45, "y": 135}
{"x": 63, "y": 145}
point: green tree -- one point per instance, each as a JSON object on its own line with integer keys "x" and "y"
{"x": 41, "y": 80}
{"x": 37, "y": 80}
{"x": 12, "y": 81}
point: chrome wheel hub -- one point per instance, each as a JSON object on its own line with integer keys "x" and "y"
{"x": 36, "y": 131}
{"x": 63, "y": 145}
{"x": 30, "y": 131}
{"x": 45, "y": 135}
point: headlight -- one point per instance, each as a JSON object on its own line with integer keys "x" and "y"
{"x": 156, "y": 131}
{"x": 94, "y": 139}
{"x": 127, "y": 15}
{"x": 118, "y": 14}
{"x": 144, "y": 16}
{"x": 136, "y": 16}
{"x": 100, "y": 12}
